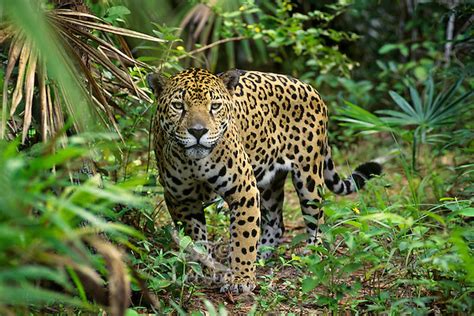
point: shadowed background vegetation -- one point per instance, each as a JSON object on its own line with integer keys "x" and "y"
{"x": 82, "y": 223}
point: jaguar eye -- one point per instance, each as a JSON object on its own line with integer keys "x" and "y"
{"x": 216, "y": 106}
{"x": 178, "y": 106}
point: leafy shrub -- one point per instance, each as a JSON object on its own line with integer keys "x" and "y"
{"x": 49, "y": 224}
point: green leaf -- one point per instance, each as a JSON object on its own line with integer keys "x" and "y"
{"x": 403, "y": 50}
{"x": 351, "y": 267}
{"x": 387, "y": 48}
{"x": 308, "y": 284}
{"x": 403, "y": 104}
{"x": 468, "y": 212}
{"x": 361, "y": 119}
{"x": 310, "y": 219}
{"x": 388, "y": 217}
{"x": 27, "y": 294}
{"x": 298, "y": 238}
{"x": 60, "y": 157}
{"x": 415, "y": 97}
{"x": 420, "y": 73}
{"x": 117, "y": 11}
{"x": 31, "y": 272}
{"x": 131, "y": 312}
{"x": 400, "y": 115}
{"x": 435, "y": 216}
{"x": 185, "y": 242}
{"x": 210, "y": 308}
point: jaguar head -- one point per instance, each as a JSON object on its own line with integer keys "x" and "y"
{"x": 194, "y": 108}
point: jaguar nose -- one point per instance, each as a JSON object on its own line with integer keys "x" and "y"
{"x": 198, "y": 132}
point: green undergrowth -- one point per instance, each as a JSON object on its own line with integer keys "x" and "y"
{"x": 404, "y": 244}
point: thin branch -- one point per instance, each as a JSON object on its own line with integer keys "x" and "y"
{"x": 450, "y": 32}
{"x": 209, "y": 46}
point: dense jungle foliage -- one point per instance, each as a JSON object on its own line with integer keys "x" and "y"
{"x": 83, "y": 225}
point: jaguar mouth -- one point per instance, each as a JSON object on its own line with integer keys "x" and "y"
{"x": 198, "y": 146}
{"x": 198, "y": 151}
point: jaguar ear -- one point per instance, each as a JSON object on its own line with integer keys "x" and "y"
{"x": 156, "y": 82}
{"x": 230, "y": 79}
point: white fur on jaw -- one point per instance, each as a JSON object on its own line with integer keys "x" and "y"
{"x": 197, "y": 152}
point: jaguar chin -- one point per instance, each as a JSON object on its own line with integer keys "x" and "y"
{"x": 198, "y": 151}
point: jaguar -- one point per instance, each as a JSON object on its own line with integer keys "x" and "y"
{"x": 239, "y": 135}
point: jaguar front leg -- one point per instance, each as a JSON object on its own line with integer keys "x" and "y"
{"x": 243, "y": 198}
{"x": 245, "y": 234}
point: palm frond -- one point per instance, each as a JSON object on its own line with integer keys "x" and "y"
{"x": 361, "y": 119}
{"x": 417, "y": 104}
{"x": 73, "y": 17}
{"x": 90, "y": 43}
{"x": 403, "y": 104}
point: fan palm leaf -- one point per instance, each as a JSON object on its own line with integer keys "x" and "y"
{"x": 90, "y": 43}
{"x": 431, "y": 113}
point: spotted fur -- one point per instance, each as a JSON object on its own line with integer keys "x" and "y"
{"x": 238, "y": 135}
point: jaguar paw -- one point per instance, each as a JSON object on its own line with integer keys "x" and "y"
{"x": 239, "y": 285}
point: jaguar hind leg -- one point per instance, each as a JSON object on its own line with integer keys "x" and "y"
{"x": 271, "y": 205}
{"x": 309, "y": 186}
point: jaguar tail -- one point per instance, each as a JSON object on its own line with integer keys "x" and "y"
{"x": 354, "y": 182}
